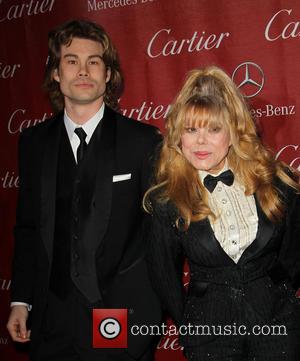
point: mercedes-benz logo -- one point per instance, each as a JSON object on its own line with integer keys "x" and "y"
{"x": 249, "y": 78}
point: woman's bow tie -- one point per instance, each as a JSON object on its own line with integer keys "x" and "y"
{"x": 226, "y": 177}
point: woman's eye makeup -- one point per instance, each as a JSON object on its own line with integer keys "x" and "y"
{"x": 215, "y": 129}
{"x": 190, "y": 129}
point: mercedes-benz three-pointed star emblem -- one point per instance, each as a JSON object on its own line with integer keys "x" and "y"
{"x": 249, "y": 78}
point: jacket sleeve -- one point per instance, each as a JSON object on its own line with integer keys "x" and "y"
{"x": 23, "y": 271}
{"x": 290, "y": 250}
{"x": 165, "y": 261}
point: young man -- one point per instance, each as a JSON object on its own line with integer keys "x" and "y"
{"x": 78, "y": 236}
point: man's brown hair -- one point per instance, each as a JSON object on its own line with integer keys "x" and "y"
{"x": 83, "y": 29}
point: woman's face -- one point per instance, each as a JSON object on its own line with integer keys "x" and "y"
{"x": 206, "y": 147}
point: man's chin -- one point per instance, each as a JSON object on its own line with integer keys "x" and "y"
{"x": 84, "y": 100}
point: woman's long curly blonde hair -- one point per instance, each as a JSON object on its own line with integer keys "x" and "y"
{"x": 210, "y": 96}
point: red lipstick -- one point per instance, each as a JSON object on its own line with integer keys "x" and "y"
{"x": 201, "y": 155}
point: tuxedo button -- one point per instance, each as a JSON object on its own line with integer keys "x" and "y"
{"x": 75, "y": 219}
{"x": 76, "y": 274}
{"x": 75, "y": 237}
{"x": 76, "y": 256}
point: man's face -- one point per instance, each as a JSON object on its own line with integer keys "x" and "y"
{"x": 82, "y": 74}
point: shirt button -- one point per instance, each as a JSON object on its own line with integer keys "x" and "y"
{"x": 228, "y": 213}
{"x": 233, "y": 249}
{"x": 219, "y": 189}
{"x": 234, "y": 242}
{"x": 224, "y": 201}
{"x": 231, "y": 226}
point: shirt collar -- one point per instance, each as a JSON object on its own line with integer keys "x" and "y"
{"x": 89, "y": 126}
{"x": 203, "y": 173}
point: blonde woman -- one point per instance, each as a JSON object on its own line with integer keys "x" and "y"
{"x": 222, "y": 201}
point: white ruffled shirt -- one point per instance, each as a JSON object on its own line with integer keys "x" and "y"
{"x": 237, "y": 222}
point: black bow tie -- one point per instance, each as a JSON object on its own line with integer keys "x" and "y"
{"x": 226, "y": 177}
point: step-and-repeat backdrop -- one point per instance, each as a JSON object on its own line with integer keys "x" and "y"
{"x": 159, "y": 41}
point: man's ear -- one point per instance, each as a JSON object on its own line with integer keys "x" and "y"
{"x": 55, "y": 75}
{"x": 108, "y": 74}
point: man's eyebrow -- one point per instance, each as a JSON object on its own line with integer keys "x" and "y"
{"x": 70, "y": 55}
{"x": 95, "y": 56}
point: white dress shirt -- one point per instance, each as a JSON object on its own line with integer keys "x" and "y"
{"x": 236, "y": 225}
{"x": 89, "y": 128}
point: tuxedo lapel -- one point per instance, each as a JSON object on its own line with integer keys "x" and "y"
{"x": 206, "y": 237}
{"x": 101, "y": 202}
{"x": 102, "y": 199}
{"x": 265, "y": 232}
{"x": 48, "y": 183}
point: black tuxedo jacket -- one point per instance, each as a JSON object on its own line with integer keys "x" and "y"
{"x": 115, "y": 220}
{"x": 261, "y": 286}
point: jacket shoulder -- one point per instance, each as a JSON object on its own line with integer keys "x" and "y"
{"x": 38, "y": 129}
{"x": 164, "y": 209}
{"x": 286, "y": 192}
{"x": 136, "y": 127}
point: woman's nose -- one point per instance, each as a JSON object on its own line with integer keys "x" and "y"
{"x": 201, "y": 136}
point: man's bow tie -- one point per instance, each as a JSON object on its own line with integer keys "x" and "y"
{"x": 226, "y": 177}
